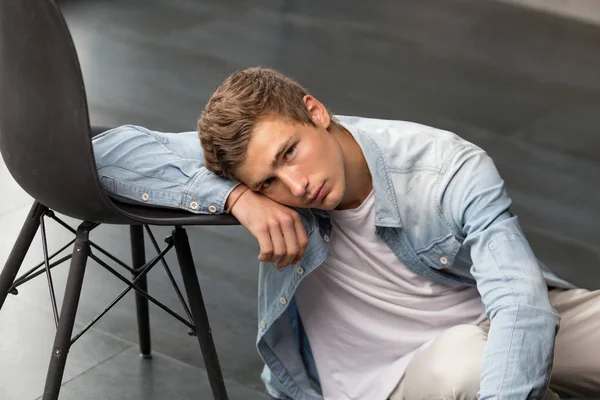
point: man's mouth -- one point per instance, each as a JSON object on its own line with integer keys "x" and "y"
{"x": 319, "y": 195}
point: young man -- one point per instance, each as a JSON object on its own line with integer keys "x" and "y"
{"x": 391, "y": 265}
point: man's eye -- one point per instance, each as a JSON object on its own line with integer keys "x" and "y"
{"x": 267, "y": 182}
{"x": 290, "y": 151}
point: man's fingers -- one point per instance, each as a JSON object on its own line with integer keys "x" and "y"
{"x": 291, "y": 242}
{"x": 302, "y": 238}
{"x": 279, "y": 249}
{"x": 266, "y": 245}
{"x": 277, "y": 228}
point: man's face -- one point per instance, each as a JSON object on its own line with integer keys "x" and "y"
{"x": 293, "y": 164}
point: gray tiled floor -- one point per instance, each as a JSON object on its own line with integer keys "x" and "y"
{"x": 162, "y": 378}
{"x": 523, "y": 85}
{"x": 31, "y": 325}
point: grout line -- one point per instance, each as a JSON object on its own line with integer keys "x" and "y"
{"x": 154, "y": 352}
{"x": 90, "y": 368}
{"x": 174, "y": 360}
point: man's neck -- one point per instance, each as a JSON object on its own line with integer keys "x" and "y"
{"x": 358, "y": 177}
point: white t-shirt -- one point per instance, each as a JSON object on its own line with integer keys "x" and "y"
{"x": 366, "y": 315}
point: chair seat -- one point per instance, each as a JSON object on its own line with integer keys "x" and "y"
{"x": 166, "y": 216}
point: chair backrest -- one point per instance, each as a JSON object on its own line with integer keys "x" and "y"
{"x": 45, "y": 136}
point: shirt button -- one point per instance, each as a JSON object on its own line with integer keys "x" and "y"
{"x": 326, "y": 239}
{"x": 263, "y": 324}
{"x": 283, "y": 301}
{"x": 145, "y": 196}
{"x": 212, "y": 208}
{"x": 193, "y": 205}
{"x": 300, "y": 271}
{"x": 444, "y": 260}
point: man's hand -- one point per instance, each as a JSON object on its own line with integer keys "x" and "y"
{"x": 278, "y": 228}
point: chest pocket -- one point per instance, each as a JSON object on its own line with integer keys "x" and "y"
{"x": 441, "y": 253}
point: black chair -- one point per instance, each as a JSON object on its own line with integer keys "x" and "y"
{"x": 45, "y": 140}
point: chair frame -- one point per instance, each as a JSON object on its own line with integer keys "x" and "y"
{"x": 197, "y": 318}
{"x": 45, "y": 141}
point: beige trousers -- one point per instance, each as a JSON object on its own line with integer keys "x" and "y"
{"x": 450, "y": 367}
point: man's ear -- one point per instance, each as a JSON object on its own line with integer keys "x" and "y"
{"x": 318, "y": 112}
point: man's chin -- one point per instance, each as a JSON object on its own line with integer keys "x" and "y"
{"x": 328, "y": 206}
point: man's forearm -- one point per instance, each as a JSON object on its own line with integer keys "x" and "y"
{"x": 156, "y": 169}
{"x": 235, "y": 195}
{"x": 518, "y": 356}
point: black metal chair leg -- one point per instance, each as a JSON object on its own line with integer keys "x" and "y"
{"x": 19, "y": 250}
{"x": 203, "y": 332}
{"x": 62, "y": 341}
{"x": 138, "y": 255}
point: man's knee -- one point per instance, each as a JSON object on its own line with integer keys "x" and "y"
{"x": 450, "y": 368}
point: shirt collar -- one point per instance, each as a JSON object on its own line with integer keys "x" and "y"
{"x": 386, "y": 207}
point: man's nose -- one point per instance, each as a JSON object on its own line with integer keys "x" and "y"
{"x": 296, "y": 183}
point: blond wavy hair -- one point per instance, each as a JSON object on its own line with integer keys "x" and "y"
{"x": 243, "y": 100}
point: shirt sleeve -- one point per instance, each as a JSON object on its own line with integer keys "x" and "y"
{"x": 159, "y": 169}
{"x": 518, "y": 356}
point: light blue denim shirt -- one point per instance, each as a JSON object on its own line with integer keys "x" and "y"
{"x": 440, "y": 205}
